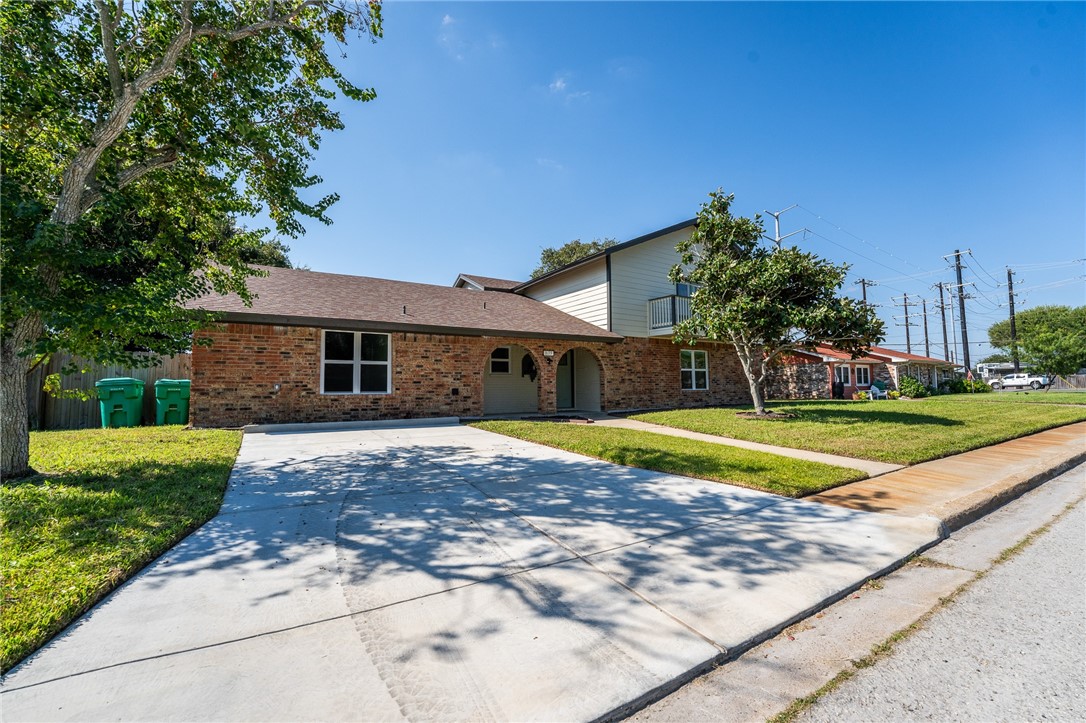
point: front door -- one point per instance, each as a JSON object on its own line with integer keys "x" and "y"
{"x": 565, "y": 381}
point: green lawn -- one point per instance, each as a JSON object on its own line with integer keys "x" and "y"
{"x": 1028, "y": 397}
{"x": 901, "y": 431}
{"x": 689, "y": 457}
{"x": 107, "y": 502}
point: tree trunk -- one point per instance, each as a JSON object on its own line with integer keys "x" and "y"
{"x": 14, "y": 422}
{"x": 747, "y": 359}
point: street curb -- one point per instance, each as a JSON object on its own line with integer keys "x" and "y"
{"x": 983, "y": 502}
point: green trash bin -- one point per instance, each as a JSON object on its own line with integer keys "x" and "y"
{"x": 121, "y": 401}
{"x": 172, "y": 401}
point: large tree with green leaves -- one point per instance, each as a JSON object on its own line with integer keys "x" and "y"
{"x": 1051, "y": 339}
{"x": 551, "y": 259}
{"x": 133, "y": 134}
{"x": 764, "y": 301}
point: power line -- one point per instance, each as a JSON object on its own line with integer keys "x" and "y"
{"x": 1053, "y": 284}
{"x": 981, "y": 267}
{"x": 1050, "y": 264}
{"x": 861, "y": 240}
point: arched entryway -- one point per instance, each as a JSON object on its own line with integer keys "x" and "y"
{"x": 510, "y": 381}
{"x": 578, "y": 382}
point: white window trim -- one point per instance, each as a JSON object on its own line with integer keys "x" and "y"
{"x": 693, "y": 369}
{"x": 848, "y": 374}
{"x": 357, "y": 363}
{"x": 490, "y": 361}
{"x": 865, "y": 368}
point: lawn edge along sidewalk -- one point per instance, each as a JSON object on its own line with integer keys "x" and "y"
{"x": 962, "y": 488}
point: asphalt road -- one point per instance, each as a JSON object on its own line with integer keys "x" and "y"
{"x": 1011, "y": 647}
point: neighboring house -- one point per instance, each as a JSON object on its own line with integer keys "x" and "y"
{"x": 810, "y": 374}
{"x": 593, "y": 335}
{"x": 930, "y": 371}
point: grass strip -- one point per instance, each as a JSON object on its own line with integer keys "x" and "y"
{"x": 902, "y": 432}
{"x": 689, "y": 457}
{"x": 106, "y": 502}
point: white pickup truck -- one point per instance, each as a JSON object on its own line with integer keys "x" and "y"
{"x": 1020, "y": 381}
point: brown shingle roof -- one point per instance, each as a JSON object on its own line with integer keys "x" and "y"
{"x": 904, "y": 356}
{"x": 828, "y": 351}
{"x": 310, "y": 298}
{"x": 490, "y": 283}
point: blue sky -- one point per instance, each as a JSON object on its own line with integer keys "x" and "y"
{"x": 903, "y": 130}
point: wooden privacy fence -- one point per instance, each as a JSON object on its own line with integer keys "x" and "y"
{"x": 49, "y": 412}
{"x": 1071, "y": 381}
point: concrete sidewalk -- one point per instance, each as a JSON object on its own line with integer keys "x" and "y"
{"x": 871, "y": 467}
{"x": 962, "y": 488}
{"x": 765, "y": 680}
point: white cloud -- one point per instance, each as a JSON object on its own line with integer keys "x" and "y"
{"x": 458, "y": 40}
{"x": 563, "y": 87}
{"x": 550, "y": 163}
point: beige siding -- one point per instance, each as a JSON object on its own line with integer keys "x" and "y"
{"x": 586, "y": 385}
{"x": 581, "y": 292}
{"x": 512, "y": 393}
{"x": 638, "y": 274}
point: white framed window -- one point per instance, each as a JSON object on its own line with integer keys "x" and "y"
{"x": 863, "y": 376}
{"x": 355, "y": 362}
{"x": 694, "y": 369}
{"x": 840, "y": 373}
{"x": 685, "y": 289}
{"x": 499, "y": 360}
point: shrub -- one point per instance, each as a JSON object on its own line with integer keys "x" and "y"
{"x": 912, "y": 387}
{"x": 860, "y": 396}
{"x": 954, "y": 386}
{"x": 965, "y": 386}
{"x": 893, "y": 394}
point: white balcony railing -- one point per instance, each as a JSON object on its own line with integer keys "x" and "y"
{"x": 667, "y": 311}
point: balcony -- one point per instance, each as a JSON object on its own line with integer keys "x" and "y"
{"x": 667, "y": 311}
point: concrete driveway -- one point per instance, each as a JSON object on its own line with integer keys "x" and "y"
{"x": 441, "y": 572}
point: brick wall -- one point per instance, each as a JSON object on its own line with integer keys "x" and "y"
{"x": 234, "y": 380}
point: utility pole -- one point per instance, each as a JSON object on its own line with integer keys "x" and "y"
{"x": 961, "y": 306}
{"x": 927, "y": 348}
{"x": 954, "y": 333}
{"x": 908, "y": 340}
{"x": 942, "y": 312}
{"x": 1014, "y": 331}
{"x": 777, "y": 238}
{"x": 864, "y": 283}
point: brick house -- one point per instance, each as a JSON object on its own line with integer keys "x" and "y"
{"x": 811, "y": 374}
{"x": 593, "y": 335}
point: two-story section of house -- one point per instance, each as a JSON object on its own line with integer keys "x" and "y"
{"x": 593, "y": 335}
{"x": 625, "y": 290}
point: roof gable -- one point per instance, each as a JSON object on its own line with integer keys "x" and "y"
{"x": 484, "y": 283}
{"x": 606, "y": 252}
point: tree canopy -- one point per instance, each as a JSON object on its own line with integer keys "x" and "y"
{"x": 1051, "y": 339}
{"x": 764, "y": 302}
{"x": 551, "y": 259}
{"x": 133, "y": 136}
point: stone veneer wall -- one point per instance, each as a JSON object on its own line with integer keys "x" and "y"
{"x": 798, "y": 377}
{"x": 433, "y": 375}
